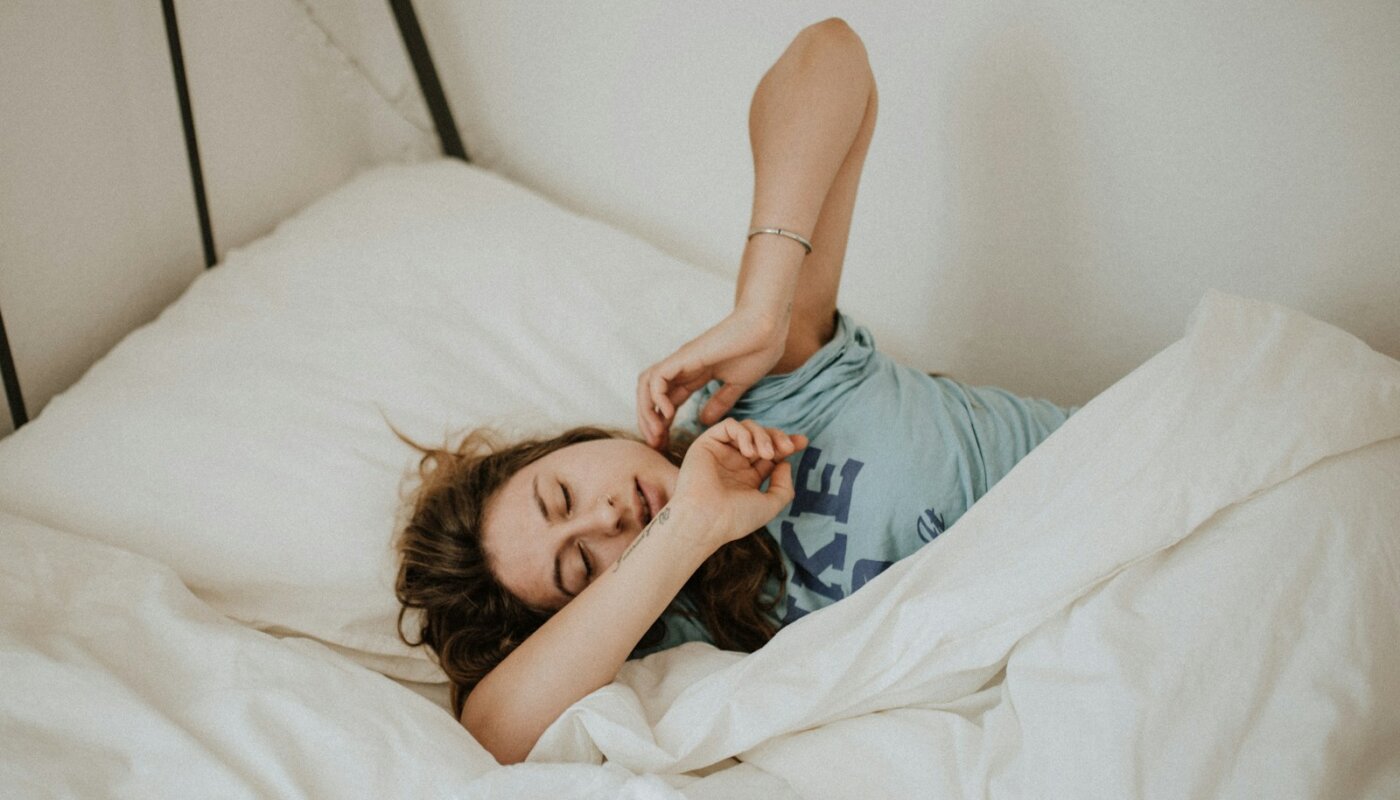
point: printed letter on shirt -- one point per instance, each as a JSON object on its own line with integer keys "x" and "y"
{"x": 823, "y": 501}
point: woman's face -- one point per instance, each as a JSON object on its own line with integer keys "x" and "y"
{"x": 560, "y": 521}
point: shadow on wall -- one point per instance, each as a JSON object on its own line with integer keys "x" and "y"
{"x": 1023, "y": 250}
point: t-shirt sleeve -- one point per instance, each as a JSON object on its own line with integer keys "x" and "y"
{"x": 679, "y": 630}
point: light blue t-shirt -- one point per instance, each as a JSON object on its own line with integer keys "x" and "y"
{"x": 894, "y": 458}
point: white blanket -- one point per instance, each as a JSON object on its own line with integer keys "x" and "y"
{"x": 1190, "y": 590}
{"x": 119, "y": 682}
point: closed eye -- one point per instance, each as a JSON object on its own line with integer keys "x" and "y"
{"x": 587, "y": 563}
{"x": 568, "y": 498}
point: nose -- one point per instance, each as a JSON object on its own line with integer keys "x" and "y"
{"x": 606, "y": 518}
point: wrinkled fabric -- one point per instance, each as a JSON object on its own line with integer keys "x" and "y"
{"x": 1188, "y": 590}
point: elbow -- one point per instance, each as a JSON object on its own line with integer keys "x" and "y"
{"x": 833, "y": 36}
{"x": 506, "y": 745}
{"x": 833, "y": 28}
{"x": 832, "y": 45}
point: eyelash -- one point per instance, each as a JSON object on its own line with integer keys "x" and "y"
{"x": 568, "y": 499}
{"x": 587, "y": 565}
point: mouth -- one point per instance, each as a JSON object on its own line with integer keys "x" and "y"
{"x": 644, "y": 507}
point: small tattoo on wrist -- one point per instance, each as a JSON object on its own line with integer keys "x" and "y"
{"x": 661, "y": 517}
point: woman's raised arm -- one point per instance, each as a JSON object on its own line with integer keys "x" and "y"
{"x": 810, "y": 125}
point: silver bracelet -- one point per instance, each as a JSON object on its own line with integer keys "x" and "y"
{"x": 796, "y": 237}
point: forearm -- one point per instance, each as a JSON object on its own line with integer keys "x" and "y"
{"x": 810, "y": 125}
{"x": 581, "y": 648}
{"x": 807, "y": 115}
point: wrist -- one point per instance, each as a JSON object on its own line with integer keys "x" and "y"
{"x": 697, "y": 530}
{"x": 768, "y": 276}
{"x": 765, "y": 321}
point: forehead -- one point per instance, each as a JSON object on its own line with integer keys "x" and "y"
{"x": 513, "y": 533}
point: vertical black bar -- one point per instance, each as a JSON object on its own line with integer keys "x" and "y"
{"x": 417, "y": 48}
{"x": 11, "y": 378}
{"x": 177, "y": 60}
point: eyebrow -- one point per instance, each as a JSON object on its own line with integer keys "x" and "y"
{"x": 558, "y": 566}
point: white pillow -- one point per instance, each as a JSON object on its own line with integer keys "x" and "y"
{"x": 238, "y": 438}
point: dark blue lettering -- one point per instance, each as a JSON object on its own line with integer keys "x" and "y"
{"x": 823, "y": 501}
{"x": 806, "y": 568}
{"x": 929, "y": 525}
{"x": 794, "y": 612}
{"x": 865, "y": 569}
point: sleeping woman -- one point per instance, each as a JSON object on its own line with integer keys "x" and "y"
{"x": 814, "y": 462}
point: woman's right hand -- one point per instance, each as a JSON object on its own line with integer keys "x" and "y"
{"x": 738, "y": 351}
{"x": 723, "y": 470}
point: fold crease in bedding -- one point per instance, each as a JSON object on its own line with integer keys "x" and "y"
{"x": 1198, "y": 481}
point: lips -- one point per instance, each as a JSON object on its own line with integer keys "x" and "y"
{"x": 644, "y": 500}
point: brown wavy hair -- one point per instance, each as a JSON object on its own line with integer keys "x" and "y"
{"x": 471, "y": 622}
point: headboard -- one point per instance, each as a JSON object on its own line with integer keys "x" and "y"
{"x": 411, "y": 33}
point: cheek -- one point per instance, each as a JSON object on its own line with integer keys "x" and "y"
{"x": 611, "y": 549}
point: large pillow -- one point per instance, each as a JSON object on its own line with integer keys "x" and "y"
{"x": 241, "y": 438}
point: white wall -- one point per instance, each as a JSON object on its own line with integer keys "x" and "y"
{"x": 1052, "y": 185}
{"x": 91, "y": 184}
{"x": 98, "y": 230}
{"x": 294, "y": 97}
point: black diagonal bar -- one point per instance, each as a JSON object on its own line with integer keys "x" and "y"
{"x": 433, "y": 95}
{"x": 11, "y": 378}
{"x": 182, "y": 89}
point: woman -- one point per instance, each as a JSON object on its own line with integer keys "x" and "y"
{"x": 541, "y": 567}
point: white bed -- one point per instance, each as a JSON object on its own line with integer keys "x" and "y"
{"x": 1190, "y": 590}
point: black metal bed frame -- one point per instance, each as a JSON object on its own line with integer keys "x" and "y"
{"x": 417, "y": 48}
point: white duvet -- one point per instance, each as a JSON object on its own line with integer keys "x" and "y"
{"x": 1190, "y": 590}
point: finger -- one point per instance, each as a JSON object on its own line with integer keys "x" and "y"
{"x": 780, "y": 484}
{"x": 763, "y": 443}
{"x": 646, "y": 423}
{"x": 696, "y": 382}
{"x": 664, "y": 408}
{"x": 677, "y": 395}
{"x": 722, "y": 401}
{"x": 743, "y": 437}
{"x": 781, "y": 441}
{"x": 732, "y": 432}
{"x": 661, "y": 433}
{"x": 764, "y": 468}
{"x": 681, "y": 369}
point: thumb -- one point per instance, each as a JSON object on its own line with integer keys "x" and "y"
{"x": 780, "y": 489}
{"x": 720, "y": 403}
